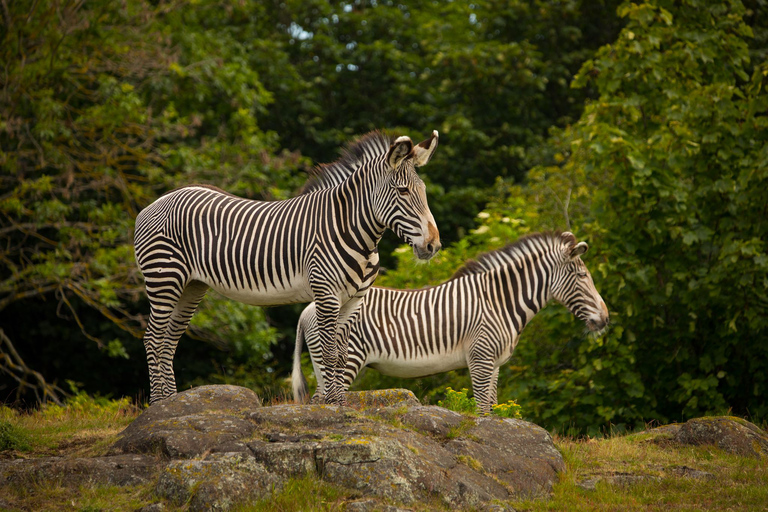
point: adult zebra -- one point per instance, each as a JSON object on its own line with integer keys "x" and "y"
{"x": 472, "y": 320}
{"x": 320, "y": 245}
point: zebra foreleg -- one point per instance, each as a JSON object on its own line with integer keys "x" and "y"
{"x": 327, "y": 310}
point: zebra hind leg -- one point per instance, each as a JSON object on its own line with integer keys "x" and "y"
{"x": 494, "y": 394}
{"x": 481, "y": 372}
{"x": 166, "y": 325}
{"x": 317, "y": 357}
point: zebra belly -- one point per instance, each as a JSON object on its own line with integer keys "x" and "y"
{"x": 295, "y": 292}
{"x": 418, "y": 367}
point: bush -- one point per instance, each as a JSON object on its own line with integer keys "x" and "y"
{"x": 510, "y": 409}
{"x": 458, "y": 401}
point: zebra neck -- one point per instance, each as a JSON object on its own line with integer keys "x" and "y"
{"x": 354, "y": 214}
{"x": 529, "y": 283}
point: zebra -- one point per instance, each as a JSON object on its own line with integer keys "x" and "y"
{"x": 472, "y": 320}
{"x": 319, "y": 246}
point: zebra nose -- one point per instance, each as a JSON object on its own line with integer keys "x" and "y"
{"x": 606, "y": 316}
{"x": 433, "y": 243}
{"x": 434, "y": 247}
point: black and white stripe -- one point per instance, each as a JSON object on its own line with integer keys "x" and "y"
{"x": 319, "y": 246}
{"x": 473, "y": 320}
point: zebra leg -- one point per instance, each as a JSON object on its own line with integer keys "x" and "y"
{"x": 153, "y": 342}
{"x": 355, "y": 363}
{"x": 347, "y": 316}
{"x": 327, "y": 311}
{"x": 481, "y": 371}
{"x": 494, "y": 387}
{"x": 162, "y": 337}
{"x": 318, "y": 397}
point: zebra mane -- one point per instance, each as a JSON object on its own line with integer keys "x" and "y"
{"x": 529, "y": 244}
{"x": 368, "y": 146}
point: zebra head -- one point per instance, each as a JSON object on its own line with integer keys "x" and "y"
{"x": 402, "y": 204}
{"x": 573, "y": 287}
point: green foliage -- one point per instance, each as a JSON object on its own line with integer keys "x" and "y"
{"x": 509, "y": 409}
{"x": 96, "y": 123}
{"x": 82, "y": 405}
{"x": 682, "y": 225}
{"x": 458, "y": 401}
{"x": 665, "y": 173}
{"x": 491, "y": 76}
{"x": 12, "y": 437}
{"x": 663, "y": 176}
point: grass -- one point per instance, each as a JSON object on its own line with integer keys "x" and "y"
{"x": 738, "y": 483}
{"x": 83, "y": 499}
{"x": 83, "y": 427}
{"x": 306, "y": 494}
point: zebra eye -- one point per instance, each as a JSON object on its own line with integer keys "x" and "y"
{"x": 403, "y": 191}
{"x": 581, "y": 274}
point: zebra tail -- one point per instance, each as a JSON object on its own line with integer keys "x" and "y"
{"x": 298, "y": 381}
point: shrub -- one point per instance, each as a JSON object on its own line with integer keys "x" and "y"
{"x": 508, "y": 410}
{"x": 458, "y": 401}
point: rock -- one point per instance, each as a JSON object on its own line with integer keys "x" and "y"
{"x": 287, "y": 459}
{"x": 520, "y": 454}
{"x": 304, "y": 416}
{"x": 732, "y": 435}
{"x": 617, "y": 479}
{"x": 432, "y": 420}
{"x": 215, "y": 447}
{"x": 687, "y": 472}
{"x": 191, "y": 423}
{"x": 215, "y": 484}
{"x": 382, "y": 398}
{"x": 119, "y": 470}
{"x": 234, "y": 400}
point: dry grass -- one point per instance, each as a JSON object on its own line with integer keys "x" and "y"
{"x": 84, "y": 427}
{"x": 736, "y": 483}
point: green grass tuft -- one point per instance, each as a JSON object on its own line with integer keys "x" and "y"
{"x": 308, "y": 494}
{"x": 13, "y": 438}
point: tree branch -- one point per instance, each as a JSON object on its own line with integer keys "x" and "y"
{"x": 13, "y": 365}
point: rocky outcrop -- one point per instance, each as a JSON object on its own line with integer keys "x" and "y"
{"x": 121, "y": 470}
{"x": 191, "y": 423}
{"x": 213, "y": 447}
{"x": 389, "y": 448}
{"x": 732, "y": 435}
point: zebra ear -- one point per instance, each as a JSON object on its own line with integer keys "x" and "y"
{"x": 579, "y": 249}
{"x": 399, "y": 151}
{"x": 425, "y": 149}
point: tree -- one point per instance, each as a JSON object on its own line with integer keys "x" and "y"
{"x": 667, "y": 166}
{"x": 104, "y": 106}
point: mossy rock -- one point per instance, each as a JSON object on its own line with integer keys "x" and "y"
{"x": 382, "y": 398}
{"x": 732, "y": 435}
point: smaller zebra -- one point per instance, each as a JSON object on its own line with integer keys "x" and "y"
{"x": 472, "y": 320}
